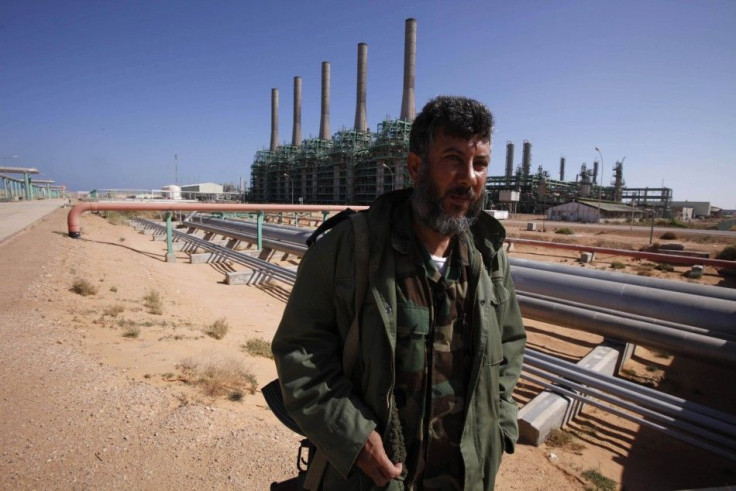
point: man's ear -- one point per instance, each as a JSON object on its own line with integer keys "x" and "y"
{"x": 413, "y": 161}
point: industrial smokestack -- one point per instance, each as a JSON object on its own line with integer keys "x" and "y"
{"x": 360, "y": 117}
{"x": 526, "y": 162}
{"x": 408, "y": 108}
{"x": 562, "y": 168}
{"x": 595, "y": 172}
{"x": 509, "y": 159}
{"x": 274, "y": 119}
{"x": 324, "y": 122}
{"x": 296, "y": 135}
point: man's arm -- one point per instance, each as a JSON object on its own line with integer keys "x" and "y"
{"x": 513, "y": 339}
{"x": 308, "y": 352}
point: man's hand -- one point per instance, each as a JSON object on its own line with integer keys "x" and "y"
{"x": 373, "y": 460}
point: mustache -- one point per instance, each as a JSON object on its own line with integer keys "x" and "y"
{"x": 465, "y": 192}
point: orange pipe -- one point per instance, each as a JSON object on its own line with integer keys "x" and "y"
{"x": 665, "y": 258}
{"x": 74, "y": 214}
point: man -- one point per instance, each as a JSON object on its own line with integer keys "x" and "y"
{"x": 441, "y": 337}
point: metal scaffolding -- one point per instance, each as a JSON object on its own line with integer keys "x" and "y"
{"x": 353, "y": 168}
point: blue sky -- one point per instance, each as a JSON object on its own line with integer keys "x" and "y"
{"x": 103, "y": 94}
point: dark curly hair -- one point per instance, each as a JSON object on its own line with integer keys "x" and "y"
{"x": 454, "y": 116}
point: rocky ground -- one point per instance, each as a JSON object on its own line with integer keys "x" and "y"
{"x": 115, "y": 390}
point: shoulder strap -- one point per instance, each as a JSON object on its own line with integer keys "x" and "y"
{"x": 313, "y": 479}
{"x": 360, "y": 234}
{"x": 328, "y": 224}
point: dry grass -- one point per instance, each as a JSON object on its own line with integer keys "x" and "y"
{"x": 221, "y": 377}
{"x": 258, "y": 347}
{"x": 132, "y": 332}
{"x": 564, "y": 440}
{"x": 154, "y": 302}
{"x": 599, "y": 481}
{"x": 217, "y": 329}
{"x": 83, "y": 287}
{"x": 113, "y": 311}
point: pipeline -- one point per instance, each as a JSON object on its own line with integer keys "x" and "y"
{"x": 659, "y": 283}
{"x": 271, "y": 270}
{"x": 702, "y": 426}
{"x": 683, "y": 308}
{"x": 74, "y": 214}
{"x": 653, "y": 256}
{"x": 673, "y": 341}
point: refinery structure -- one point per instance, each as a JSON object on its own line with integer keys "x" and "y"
{"x": 355, "y": 166}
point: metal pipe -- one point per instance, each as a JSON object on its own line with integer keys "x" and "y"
{"x": 324, "y": 121}
{"x": 282, "y": 274}
{"x": 693, "y": 440}
{"x": 695, "y": 310}
{"x": 77, "y": 210}
{"x": 673, "y": 341}
{"x": 628, "y": 315}
{"x": 296, "y": 135}
{"x": 659, "y": 283}
{"x": 642, "y": 396}
{"x": 653, "y": 256}
{"x": 360, "y": 100}
{"x": 408, "y": 109}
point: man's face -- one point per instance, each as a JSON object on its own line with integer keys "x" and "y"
{"x": 449, "y": 188}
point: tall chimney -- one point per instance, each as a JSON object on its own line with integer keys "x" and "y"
{"x": 408, "y": 109}
{"x": 595, "y": 172}
{"x": 526, "y": 161}
{"x": 296, "y": 135}
{"x": 274, "y": 119}
{"x": 360, "y": 118}
{"x": 509, "y": 158}
{"x": 324, "y": 122}
{"x": 562, "y": 168}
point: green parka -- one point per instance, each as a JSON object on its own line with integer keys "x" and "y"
{"x": 338, "y": 413}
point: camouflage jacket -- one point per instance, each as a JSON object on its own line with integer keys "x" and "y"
{"x": 337, "y": 413}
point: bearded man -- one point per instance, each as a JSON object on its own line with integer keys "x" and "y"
{"x": 441, "y": 339}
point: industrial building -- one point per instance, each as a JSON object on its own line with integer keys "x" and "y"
{"x": 355, "y": 166}
{"x": 593, "y": 211}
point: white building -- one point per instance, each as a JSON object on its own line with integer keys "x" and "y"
{"x": 593, "y": 211}
{"x": 700, "y": 208}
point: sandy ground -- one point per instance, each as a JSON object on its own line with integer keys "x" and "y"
{"x": 84, "y": 406}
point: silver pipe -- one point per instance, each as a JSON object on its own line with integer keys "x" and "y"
{"x": 693, "y": 440}
{"x": 659, "y": 283}
{"x": 695, "y": 310}
{"x": 678, "y": 405}
{"x": 674, "y": 341}
{"x": 628, "y": 315}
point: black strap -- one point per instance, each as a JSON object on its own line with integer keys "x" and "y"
{"x": 328, "y": 224}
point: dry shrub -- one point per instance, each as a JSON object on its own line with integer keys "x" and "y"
{"x": 132, "y": 332}
{"x": 728, "y": 253}
{"x": 220, "y": 377}
{"x": 154, "y": 302}
{"x": 564, "y": 440}
{"x": 217, "y": 329}
{"x": 258, "y": 347}
{"x": 113, "y": 311}
{"x": 119, "y": 217}
{"x": 668, "y": 236}
{"x": 83, "y": 287}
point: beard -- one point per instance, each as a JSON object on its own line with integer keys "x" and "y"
{"x": 427, "y": 205}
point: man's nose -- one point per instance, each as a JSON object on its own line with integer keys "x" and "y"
{"x": 466, "y": 174}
